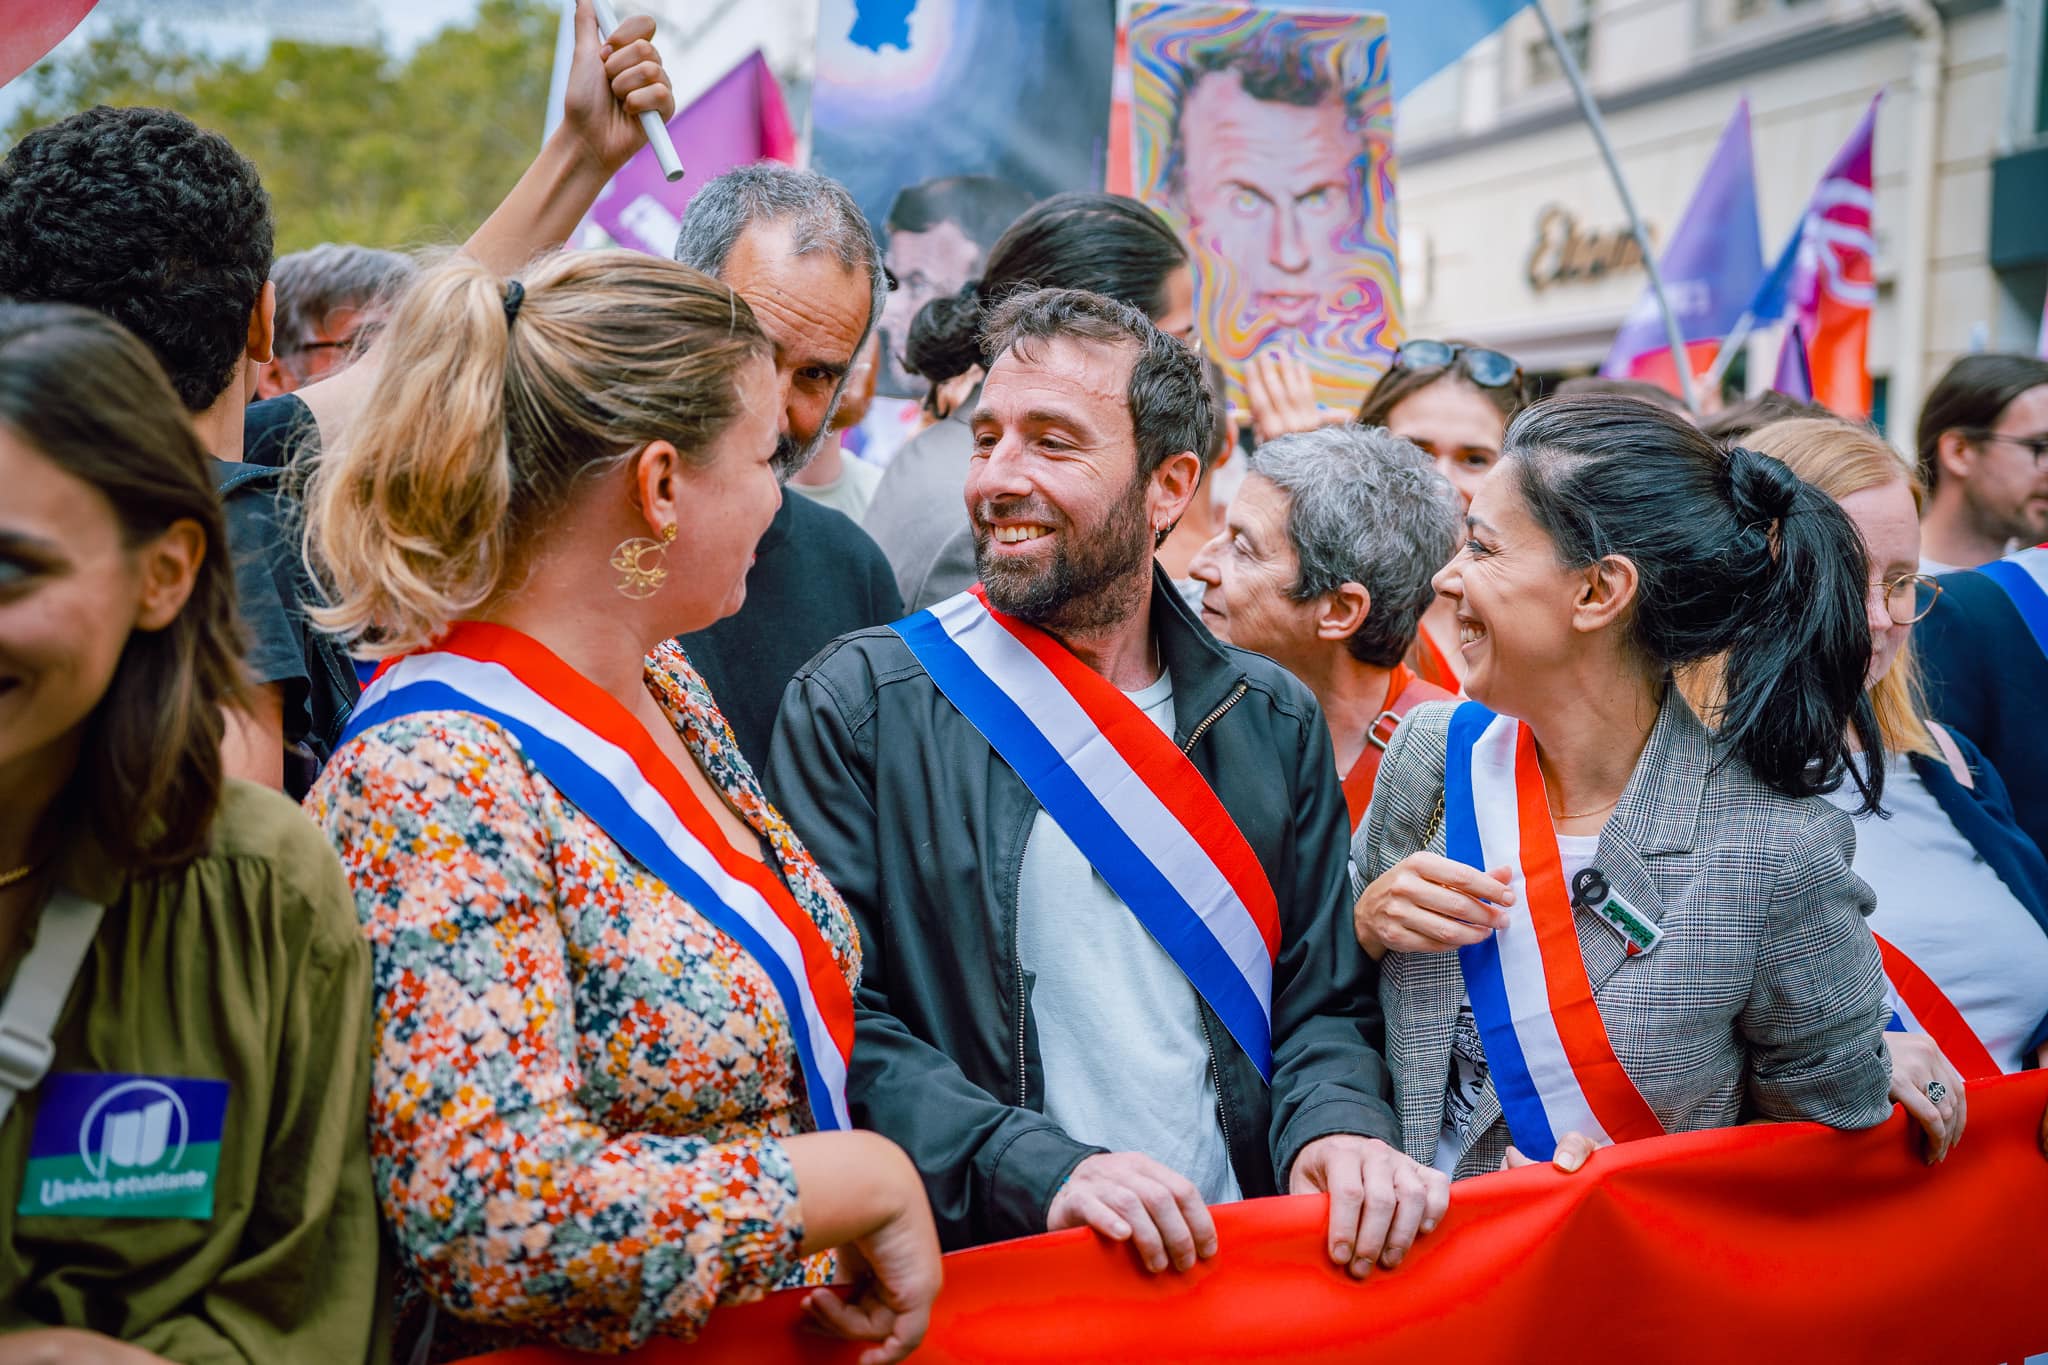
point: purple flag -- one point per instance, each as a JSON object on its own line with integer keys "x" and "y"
{"x": 1711, "y": 268}
{"x": 738, "y": 121}
{"x": 1794, "y": 379}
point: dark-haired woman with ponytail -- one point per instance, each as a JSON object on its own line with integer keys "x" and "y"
{"x": 184, "y": 1171}
{"x": 1596, "y": 920}
{"x": 1103, "y": 243}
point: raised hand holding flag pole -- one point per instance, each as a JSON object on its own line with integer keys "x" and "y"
{"x": 657, "y": 130}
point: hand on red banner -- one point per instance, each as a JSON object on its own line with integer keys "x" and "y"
{"x": 1380, "y": 1199}
{"x": 1917, "y": 1062}
{"x": 613, "y": 79}
{"x": 1428, "y": 904}
{"x": 860, "y": 1194}
{"x": 1572, "y": 1151}
{"x": 1129, "y": 1197}
{"x": 1281, "y": 392}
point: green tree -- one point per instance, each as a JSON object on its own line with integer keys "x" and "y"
{"x": 353, "y": 144}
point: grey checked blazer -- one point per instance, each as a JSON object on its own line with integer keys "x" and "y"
{"x": 1765, "y": 998}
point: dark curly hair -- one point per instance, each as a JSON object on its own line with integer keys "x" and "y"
{"x": 148, "y": 218}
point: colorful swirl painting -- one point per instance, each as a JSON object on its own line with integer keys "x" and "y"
{"x": 1266, "y": 138}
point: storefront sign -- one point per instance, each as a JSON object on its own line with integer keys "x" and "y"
{"x": 1566, "y": 253}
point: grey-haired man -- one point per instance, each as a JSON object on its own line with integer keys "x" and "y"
{"x": 794, "y": 245}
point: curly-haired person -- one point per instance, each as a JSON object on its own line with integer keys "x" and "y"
{"x": 142, "y": 215}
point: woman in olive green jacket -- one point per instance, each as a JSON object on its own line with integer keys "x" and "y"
{"x": 184, "y": 1172}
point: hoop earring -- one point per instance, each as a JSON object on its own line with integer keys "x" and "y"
{"x": 637, "y": 578}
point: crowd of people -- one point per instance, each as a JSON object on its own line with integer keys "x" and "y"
{"x": 549, "y": 871}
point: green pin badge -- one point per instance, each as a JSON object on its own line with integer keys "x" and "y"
{"x": 1638, "y": 933}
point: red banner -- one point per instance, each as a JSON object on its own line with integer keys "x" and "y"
{"x": 1768, "y": 1243}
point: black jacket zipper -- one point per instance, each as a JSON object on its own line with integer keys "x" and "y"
{"x": 1017, "y": 966}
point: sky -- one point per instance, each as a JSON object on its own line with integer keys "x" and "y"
{"x": 408, "y": 22}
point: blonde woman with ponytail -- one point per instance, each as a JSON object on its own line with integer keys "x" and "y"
{"x": 1962, "y": 893}
{"x": 613, "y": 991}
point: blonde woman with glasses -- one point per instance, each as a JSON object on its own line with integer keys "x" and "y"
{"x": 1962, "y": 893}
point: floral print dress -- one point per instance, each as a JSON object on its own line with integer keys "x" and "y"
{"x": 579, "y": 1083}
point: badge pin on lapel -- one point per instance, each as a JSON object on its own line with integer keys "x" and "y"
{"x": 1591, "y": 892}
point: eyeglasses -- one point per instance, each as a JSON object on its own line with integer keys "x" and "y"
{"x": 1487, "y": 369}
{"x": 2035, "y": 445}
{"x": 1902, "y": 600}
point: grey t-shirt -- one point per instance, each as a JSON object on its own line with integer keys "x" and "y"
{"x": 1119, "y": 1027}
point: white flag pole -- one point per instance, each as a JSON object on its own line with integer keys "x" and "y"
{"x": 657, "y": 131}
{"x": 1672, "y": 334}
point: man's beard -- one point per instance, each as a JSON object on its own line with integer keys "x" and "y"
{"x": 791, "y": 455}
{"x": 1097, "y": 575}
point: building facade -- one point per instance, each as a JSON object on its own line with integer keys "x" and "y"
{"x": 1512, "y": 233}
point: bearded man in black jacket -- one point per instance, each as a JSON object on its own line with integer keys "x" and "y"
{"x": 1098, "y": 859}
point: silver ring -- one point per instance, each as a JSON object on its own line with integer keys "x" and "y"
{"x": 1936, "y": 1092}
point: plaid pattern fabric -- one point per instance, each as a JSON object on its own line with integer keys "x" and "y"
{"x": 1765, "y": 998}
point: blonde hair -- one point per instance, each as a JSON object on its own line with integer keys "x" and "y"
{"x": 483, "y": 420}
{"x": 1840, "y": 458}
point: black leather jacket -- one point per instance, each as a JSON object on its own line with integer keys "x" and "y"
{"x": 922, "y": 828}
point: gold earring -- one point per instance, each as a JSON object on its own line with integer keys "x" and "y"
{"x": 637, "y": 578}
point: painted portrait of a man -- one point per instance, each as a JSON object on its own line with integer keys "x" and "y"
{"x": 1266, "y": 137}
{"x": 937, "y": 235}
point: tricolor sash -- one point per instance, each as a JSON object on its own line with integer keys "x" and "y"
{"x": 1130, "y": 800}
{"x": 601, "y": 758}
{"x": 1921, "y": 1006}
{"x": 2024, "y": 576}
{"x": 1552, "y": 1063}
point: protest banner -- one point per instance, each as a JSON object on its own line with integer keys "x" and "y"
{"x": 1768, "y": 1242}
{"x": 1266, "y": 138}
{"x": 739, "y": 120}
{"x": 948, "y": 118}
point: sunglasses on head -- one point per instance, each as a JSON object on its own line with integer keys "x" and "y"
{"x": 1487, "y": 369}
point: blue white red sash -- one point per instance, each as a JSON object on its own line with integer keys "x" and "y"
{"x": 2024, "y": 576}
{"x": 1125, "y": 794}
{"x": 601, "y": 758}
{"x": 1919, "y": 1005}
{"x": 1552, "y": 1063}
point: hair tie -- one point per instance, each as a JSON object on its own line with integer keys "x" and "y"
{"x": 515, "y": 294}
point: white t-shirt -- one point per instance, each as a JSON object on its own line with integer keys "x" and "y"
{"x": 851, "y": 492}
{"x": 1945, "y": 908}
{"x": 1119, "y": 1027}
{"x": 1467, "y": 1078}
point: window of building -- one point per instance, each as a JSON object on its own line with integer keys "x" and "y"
{"x": 1541, "y": 68}
{"x": 1720, "y": 16}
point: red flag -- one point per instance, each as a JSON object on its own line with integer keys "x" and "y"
{"x": 33, "y": 27}
{"x": 1835, "y": 282}
{"x": 1784, "y": 1241}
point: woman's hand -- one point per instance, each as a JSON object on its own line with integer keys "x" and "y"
{"x": 1280, "y": 390}
{"x": 613, "y": 79}
{"x": 1572, "y": 1151}
{"x": 859, "y": 1193}
{"x": 1916, "y": 1063}
{"x": 1430, "y": 904}
{"x": 70, "y": 1346}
